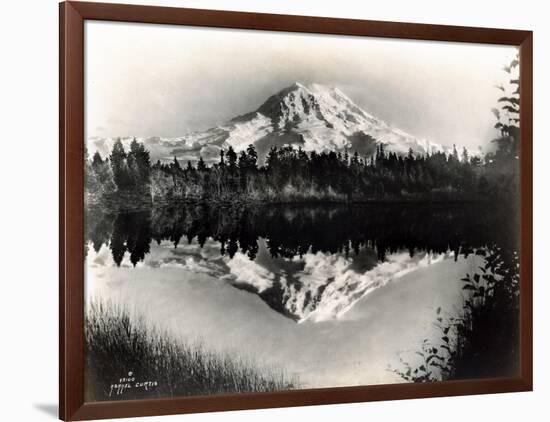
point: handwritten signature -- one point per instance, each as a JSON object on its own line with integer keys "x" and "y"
{"x": 130, "y": 383}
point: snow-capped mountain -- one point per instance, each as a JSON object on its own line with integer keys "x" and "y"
{"x": 315, "y": 117}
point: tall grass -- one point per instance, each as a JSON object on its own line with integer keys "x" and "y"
{"x": 118, "y": 344}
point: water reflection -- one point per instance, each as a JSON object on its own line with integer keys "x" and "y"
{"x": 292, "y": 230}
{"x": 305, "y": 262}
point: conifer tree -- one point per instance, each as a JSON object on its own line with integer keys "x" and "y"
{"x": 252, "y": 157}
{"x": 176, "y": 165}
{"x": 119, "y": 166}
{"x": 201, "y": 166}
{"x": 232, "y": 159}
{"x": 97, "y": 160}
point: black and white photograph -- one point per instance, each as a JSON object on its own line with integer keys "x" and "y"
{"x": 269, "y": 211}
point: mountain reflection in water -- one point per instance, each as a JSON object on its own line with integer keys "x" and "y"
{"x": 306, "y": 262}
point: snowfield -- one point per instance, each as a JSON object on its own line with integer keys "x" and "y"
{"x": 314, "y": 117}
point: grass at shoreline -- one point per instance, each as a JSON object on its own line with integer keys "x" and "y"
{"x": 118, "y": 345}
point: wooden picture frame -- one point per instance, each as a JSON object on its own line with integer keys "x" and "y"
{"x": 73, "y": 15}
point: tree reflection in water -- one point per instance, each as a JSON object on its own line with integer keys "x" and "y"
{"x": 293, "y": 230}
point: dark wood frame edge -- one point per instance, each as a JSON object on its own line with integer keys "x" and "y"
{"x": 71, "y": 206}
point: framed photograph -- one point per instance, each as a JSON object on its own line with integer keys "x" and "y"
{"x": 265, "y": 210}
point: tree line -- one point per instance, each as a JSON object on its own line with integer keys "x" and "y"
{"x": 290, "y": 174}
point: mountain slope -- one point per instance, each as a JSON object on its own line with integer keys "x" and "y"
{"x": 315, "y": 117}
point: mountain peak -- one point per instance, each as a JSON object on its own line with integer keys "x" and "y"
{"x": 308, "y": 89}
{"x": 315, "y": 116}
{"x": 298, "y": 85}
{"x": 313, "y": 105}
{"x": 289, "y": 105}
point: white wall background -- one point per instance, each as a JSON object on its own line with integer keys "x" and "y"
{"x": 28, "y": 235}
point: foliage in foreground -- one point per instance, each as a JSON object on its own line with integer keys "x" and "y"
{"x": 483, "y": 340}
{"x": 118, "y": 344}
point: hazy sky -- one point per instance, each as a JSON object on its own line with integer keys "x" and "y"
{"x": 160, "y": 80}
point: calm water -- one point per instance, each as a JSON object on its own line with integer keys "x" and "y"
{"x": 333, "y": 294}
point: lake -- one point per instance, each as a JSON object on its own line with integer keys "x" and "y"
{"x": 333, "y": 294}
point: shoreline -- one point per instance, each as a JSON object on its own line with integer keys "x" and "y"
{"x": 139, "y": 205}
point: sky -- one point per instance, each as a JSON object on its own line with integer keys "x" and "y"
{"x": 160, "y": 80}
